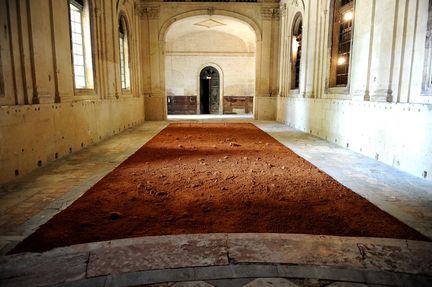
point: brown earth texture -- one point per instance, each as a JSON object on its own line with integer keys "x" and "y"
{"x": 214, "y": 178}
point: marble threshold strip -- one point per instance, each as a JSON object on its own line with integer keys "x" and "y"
{"x": 178, "y": 258}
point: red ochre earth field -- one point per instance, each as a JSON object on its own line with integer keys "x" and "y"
{"x": 214, "y": 178}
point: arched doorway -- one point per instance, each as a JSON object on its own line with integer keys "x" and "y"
{"x": 209, "y": 91}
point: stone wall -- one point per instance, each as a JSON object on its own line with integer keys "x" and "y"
{"x": 42, "y": 116}
{"x": 383, "y": 112}
{"x": 33, "y": 135}
{"x": 156, "y": 18}
{"x": 237, "y": 77}
{"x": 398, "y": 135}
{"x": 187, "y": 55}
{"x": 237, "y": 74}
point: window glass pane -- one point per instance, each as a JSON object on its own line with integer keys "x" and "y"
{"x": 77, "y": 38}
{"x": 123, "y": 49}
{"x": 80, "y": 82}
{"x": 77, "y": 17}
{"x": 77, "y": 49}
{"x": 77, "y": 27}
{"x": 78, "y": 60}
{"x": 81, "y": 44}
{"x": 79, "y": 70}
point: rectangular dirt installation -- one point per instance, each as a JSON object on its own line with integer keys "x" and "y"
{"x": 214, "y": 178}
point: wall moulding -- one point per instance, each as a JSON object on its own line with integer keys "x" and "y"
{"x": 382, "y": 95}
{"x": 361, "y": 95}
{"x": 337, "y": 91}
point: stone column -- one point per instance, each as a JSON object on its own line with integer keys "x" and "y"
{"x": 100, "y": 81}
{"x": 111, "y": 56}
{"x": 310, "y": 30}
{"x": 155, "y": 103}
{"x": 321, "y": 48}
{"x": 40, "y": 48}
{"x": 265, "y": 100}
{"x": 61, "y": 46}
{"x": 364, "y": 19}
{"x": 383, "y": 51}
{"x": 284, "y": 50}
{"x": 267, "y": 14}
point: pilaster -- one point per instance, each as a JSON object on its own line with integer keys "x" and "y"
{"x": 383, "y": 52}
{"x": 155, "y": 101}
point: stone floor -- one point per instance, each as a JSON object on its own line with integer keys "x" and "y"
{"x": 406, "y": 197}
{"x": 33, "y": 199}
{"x": 247, "y": 117}
{"x": 224, "y": 259}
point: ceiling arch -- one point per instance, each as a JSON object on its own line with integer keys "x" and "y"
{"x": 216, "y": 24}
{"x": 248, "y": 24}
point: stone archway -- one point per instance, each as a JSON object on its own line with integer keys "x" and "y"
{"x": 222, "y": 42}
{"x": 157, "y": 19}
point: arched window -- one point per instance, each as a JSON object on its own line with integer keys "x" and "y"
{"x": 342, "y": 34}
{"x": 124, "y": 54}
{"x": 80, "y": 21}
{"x": 427, "y": 71}
{"x": 297, "y": 30}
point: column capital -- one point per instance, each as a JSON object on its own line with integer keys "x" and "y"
{"x": 152, "y": 12}
{"x": 268, "y": 13}
{"x": 283, "y": 10}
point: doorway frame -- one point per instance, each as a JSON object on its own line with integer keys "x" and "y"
{"x": 221, "y": 85}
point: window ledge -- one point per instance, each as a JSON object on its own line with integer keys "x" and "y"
{"x": 338, "y": 90}
{"x": 85, "y": 92}
{"x": 127, "y": 92}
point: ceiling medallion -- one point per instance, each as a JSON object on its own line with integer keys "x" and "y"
{"x": 210, "y": 23}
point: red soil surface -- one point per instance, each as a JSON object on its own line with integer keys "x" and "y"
{"x": 206, "y": 178}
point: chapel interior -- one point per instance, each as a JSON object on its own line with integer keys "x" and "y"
{"x": 253, "y": 126}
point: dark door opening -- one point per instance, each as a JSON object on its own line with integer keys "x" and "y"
{"x": 209, "y": 91}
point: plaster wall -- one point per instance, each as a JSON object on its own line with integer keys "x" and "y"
{"x": 188, "y": 55}
{"x": 42, "y": 115}
{"x": 33, "y": 135}
{"x": 237, "y": 79}
{"x": 383, "y": 131}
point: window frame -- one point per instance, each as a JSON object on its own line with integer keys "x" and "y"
{"x": 335, "y": 25}
{"x": 124, "y": 53}
{"x": 87, "y": 47}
